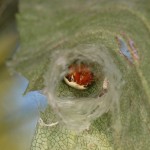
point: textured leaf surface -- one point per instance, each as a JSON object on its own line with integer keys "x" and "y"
{"x": 47, "y": 26}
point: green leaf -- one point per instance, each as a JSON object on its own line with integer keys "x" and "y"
{"x": 66, "y": 26}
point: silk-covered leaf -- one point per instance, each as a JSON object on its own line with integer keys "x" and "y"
{"x": 51, "y": 29}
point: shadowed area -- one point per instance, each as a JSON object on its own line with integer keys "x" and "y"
{"x": 18, "y": 113}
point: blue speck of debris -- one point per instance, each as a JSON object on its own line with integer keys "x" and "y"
{"x": 124, "y": 50}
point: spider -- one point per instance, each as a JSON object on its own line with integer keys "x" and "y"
{"x": 79, "y": 76}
